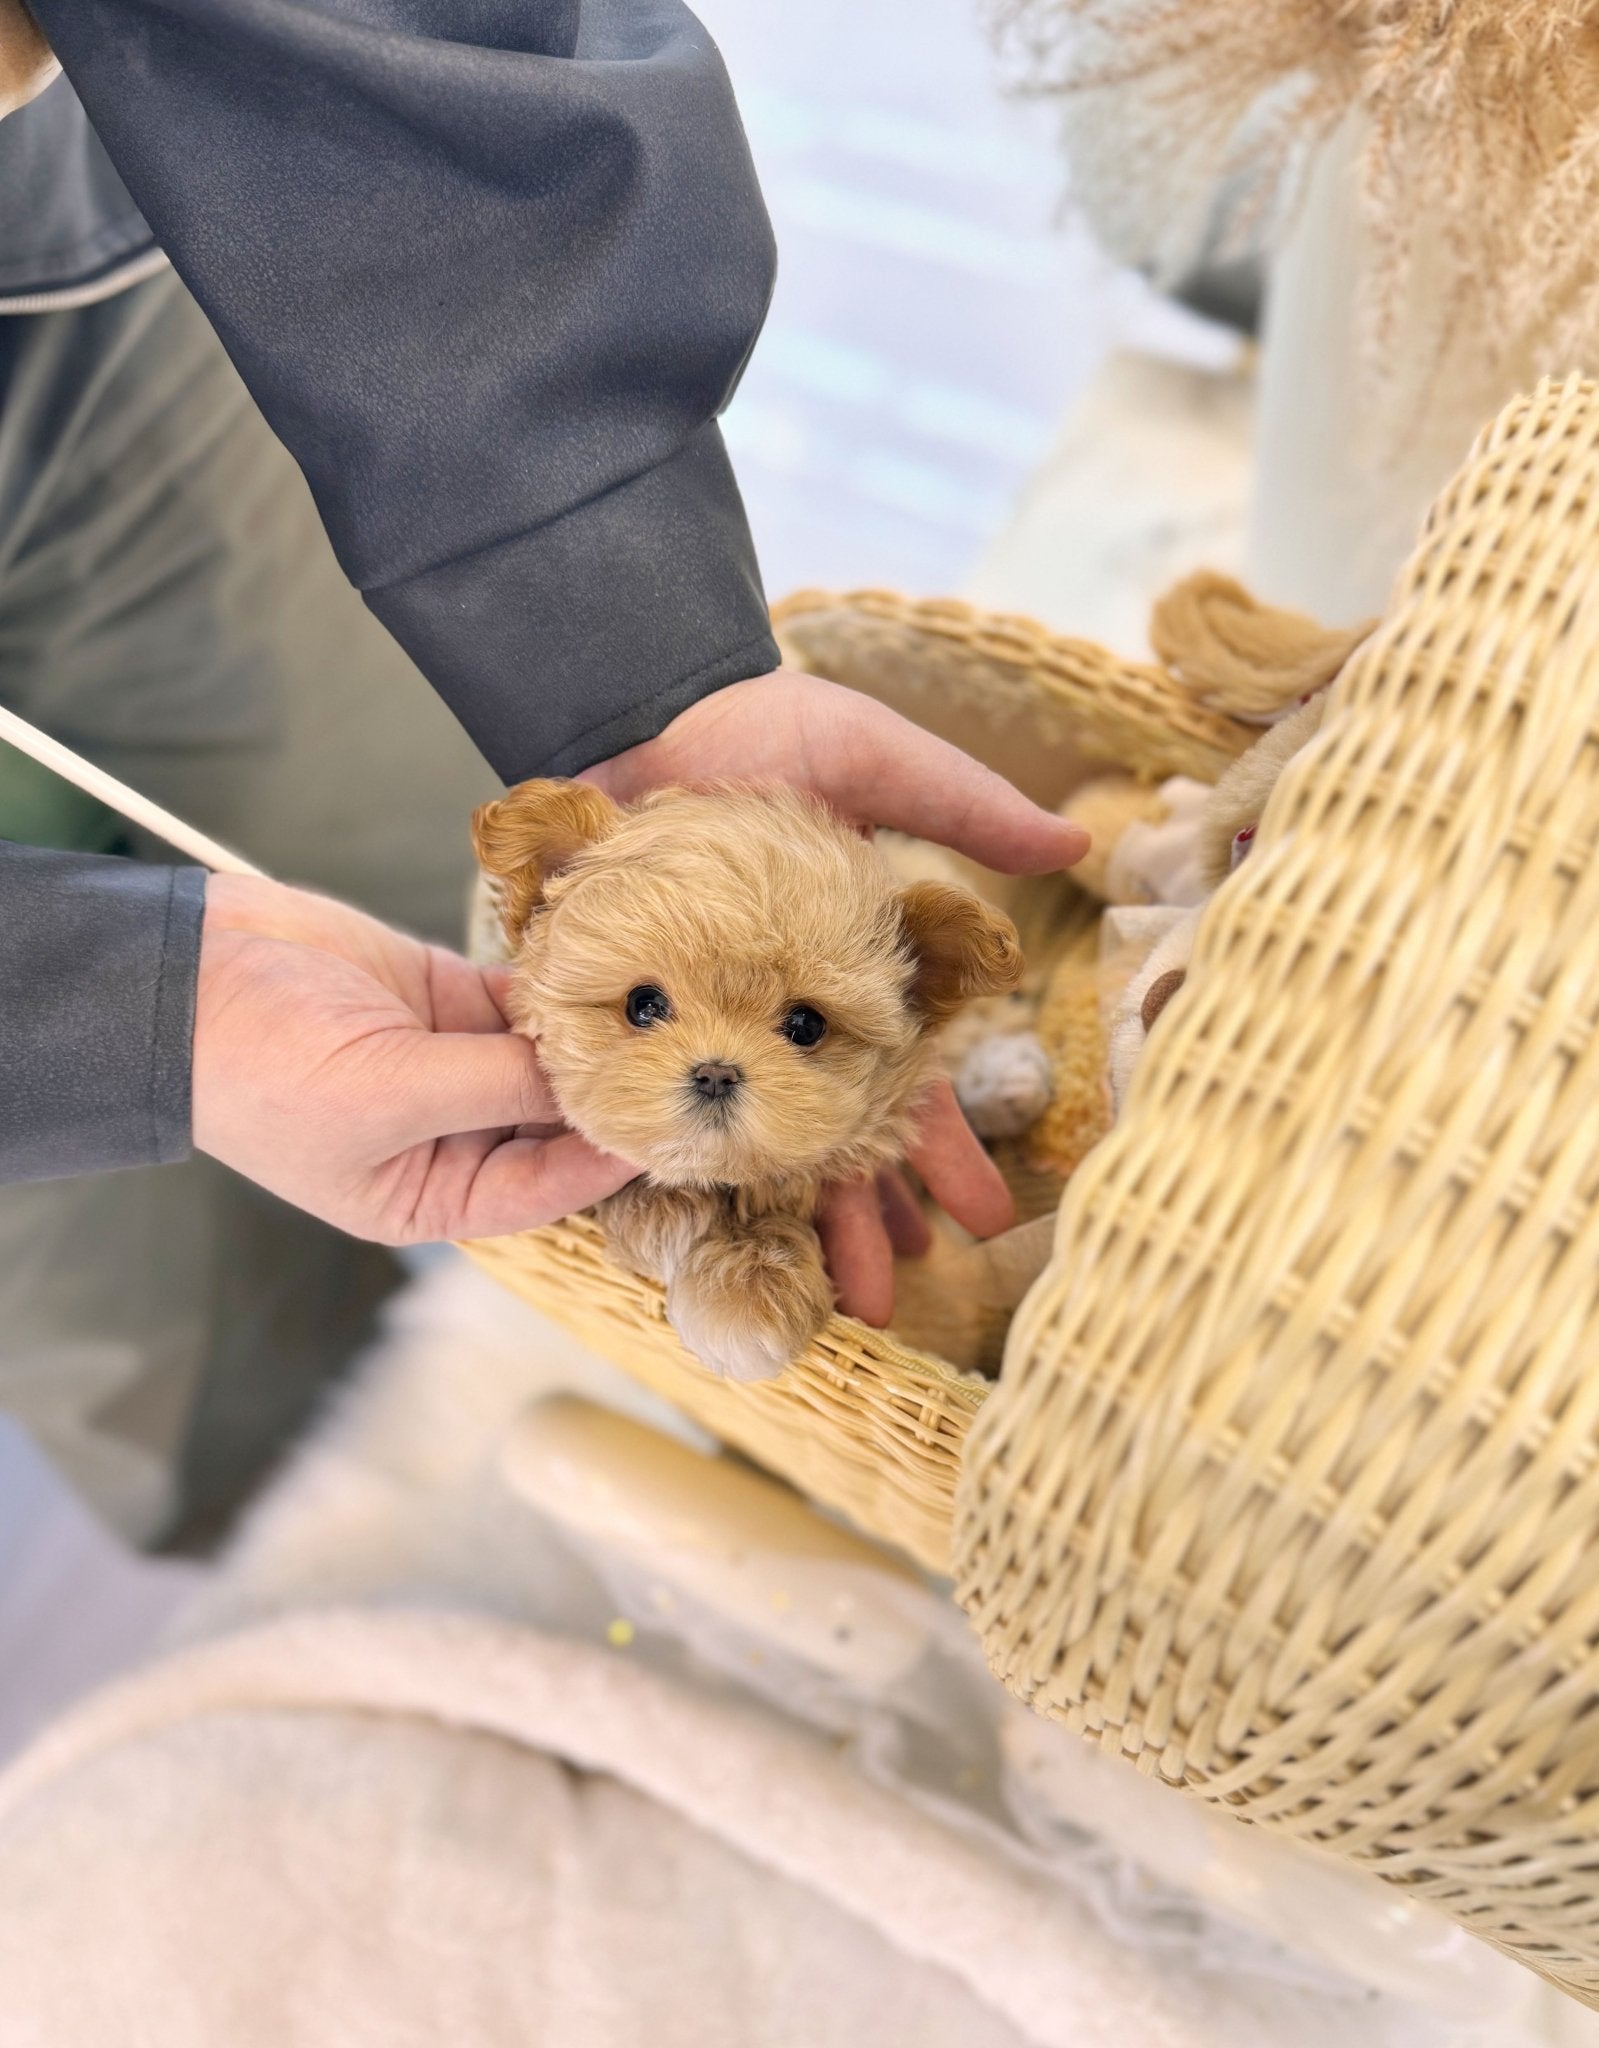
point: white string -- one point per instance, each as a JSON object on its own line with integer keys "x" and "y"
{"x": 139, "y": 810}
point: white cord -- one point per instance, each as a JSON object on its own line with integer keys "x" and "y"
{"x": 49, "y": 753}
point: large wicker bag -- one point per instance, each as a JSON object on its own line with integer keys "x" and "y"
{"x": 1291, "y": 1488}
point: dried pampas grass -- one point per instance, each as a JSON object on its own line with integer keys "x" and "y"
{"x": 1189, "y": 123}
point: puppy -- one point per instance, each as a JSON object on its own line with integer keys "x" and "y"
{"x": 728, "y": 988}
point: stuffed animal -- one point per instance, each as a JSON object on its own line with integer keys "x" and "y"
{"x": 1144, "y": 844}
{"x": 958, "y": 1299}
{"x": 1033, "y": 1067}
{"x": 958, "y": 1302}
{"x": 1225, "y": 832}
{"x": 729, "y": 989}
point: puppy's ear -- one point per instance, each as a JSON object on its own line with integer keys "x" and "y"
{"x": 530, "y": 834}
{"x": 963, "y": 948}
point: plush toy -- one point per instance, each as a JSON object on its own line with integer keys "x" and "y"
{"x": 1033, "y": 1067}
{"x": 1144, "y": 841}
{"x": 1225, "y": 832}
{"x": 958, "y": 1299}
{"x": 1004, "y": 1078}
{"x": 991, "y": 1052}
{"x": 1099, "y": 1006}
{"x": 1071, "y": 1030}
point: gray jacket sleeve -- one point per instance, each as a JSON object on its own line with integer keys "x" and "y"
{"x": 97, "y": 976}
{"x": 491, "y": 268}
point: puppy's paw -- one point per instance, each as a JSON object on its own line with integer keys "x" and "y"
{"x": 650, "y": 1230}
{"x": 747, "y": 1303}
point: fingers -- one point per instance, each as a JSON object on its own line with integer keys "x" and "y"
{"x": 960, "y": 1176}
{"x": 465, "y": 997}
{"x": 870, "y": 763}
{"x": 908, "y": 1231}
{"x": 857, "y": 1251}
{"x": 442, "y": 1082}
{"x": 863, "y": 759}
{"x": 497, "y": 987}
{"x": 301, "y": 917}
{"x": 522, "y": 1184}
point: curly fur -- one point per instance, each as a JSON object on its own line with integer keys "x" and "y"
{"x": 738, "y": 904}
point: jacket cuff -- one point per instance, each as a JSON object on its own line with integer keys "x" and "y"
{"x": 584, "y": 636}
{"x": 98, "y": 964}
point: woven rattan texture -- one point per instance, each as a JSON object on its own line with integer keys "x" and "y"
{"x": 1291, "y": 1485}
{"x": 859, "y": 1423}
{"x": 1071, "y": 695}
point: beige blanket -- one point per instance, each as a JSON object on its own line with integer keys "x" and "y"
{"x": 402, "y": 1792}
{"x": 400, "y": 1827}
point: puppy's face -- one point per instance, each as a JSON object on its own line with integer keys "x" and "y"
{"x": 728, "y": 987}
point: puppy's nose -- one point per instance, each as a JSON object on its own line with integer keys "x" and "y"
{"x": 715, "y": 1079}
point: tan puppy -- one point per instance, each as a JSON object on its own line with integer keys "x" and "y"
{"x": 729, "y": 989}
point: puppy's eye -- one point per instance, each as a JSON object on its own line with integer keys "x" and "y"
{"x": 647, "y": 1005}
{"x": 804, "y": 1026}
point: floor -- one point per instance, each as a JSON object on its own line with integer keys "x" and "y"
{"x": 75, "y": 1605}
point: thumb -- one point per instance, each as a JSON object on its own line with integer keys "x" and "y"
{"x": 525, "y": 1183}
{"x": 443, "y": 1082}
{"x": 870, "y": 763}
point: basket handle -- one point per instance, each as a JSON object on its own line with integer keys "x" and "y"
{"x": 1134, "y": 715}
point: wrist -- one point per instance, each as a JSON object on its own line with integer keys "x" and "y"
{"x": 243, "y": 902}
{"x": 756, "y": 730}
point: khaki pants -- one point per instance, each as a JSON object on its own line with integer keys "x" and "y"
{"x": 170, "y": 607}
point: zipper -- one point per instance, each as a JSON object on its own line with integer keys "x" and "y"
{"x": 68, "y": 297}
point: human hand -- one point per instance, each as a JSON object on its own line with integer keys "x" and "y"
{"x": 371, "y": 1079}
{"x": 873, "y": 768}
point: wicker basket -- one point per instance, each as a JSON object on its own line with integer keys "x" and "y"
{"x": 1291, "y": 1487}
{"x": 861, "y": 1423}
